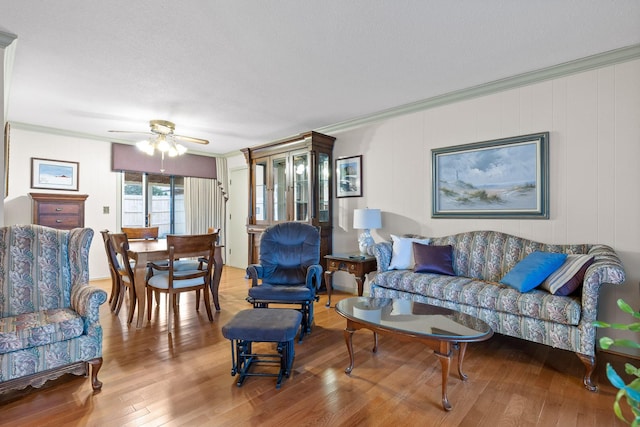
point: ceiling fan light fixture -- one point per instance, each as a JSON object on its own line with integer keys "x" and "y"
{"x": 162, "y": 144}
{"x": 146, "y": 146}
{"x": 163, "y": 139}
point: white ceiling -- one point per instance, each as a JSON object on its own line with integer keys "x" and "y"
{"x": 246, "y": 72}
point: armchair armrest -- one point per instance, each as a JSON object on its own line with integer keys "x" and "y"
{"x": 159, "y": 267}
{"x": 254, "y": 271}
{"x": 86, "y": 301}
{"x": 382, "y": 251}
{"x": 314, "y": 272}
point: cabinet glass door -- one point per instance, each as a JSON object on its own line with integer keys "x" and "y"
{"x": 260, "y": 174}
{"x": 323, "y": 187}
{"x": 279, "y": 177}
{"x": 300, "y": 187}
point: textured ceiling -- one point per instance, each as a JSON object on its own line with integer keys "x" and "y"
{"x": 241, "y": 73}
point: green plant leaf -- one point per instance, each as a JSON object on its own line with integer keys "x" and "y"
{"x": 606, "y": 342}
{"x": 632, "y": 370}
{"x": 616, "y": 406}
{"x": 626, "y": 343}
{"x": 617, "y": 410}
{"x": 599, "y": 324}
{"x": 622, "y": 326}
{"x": 625, "y": 307}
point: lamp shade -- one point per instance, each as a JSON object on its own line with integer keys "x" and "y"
{"x": 367, "y": 219}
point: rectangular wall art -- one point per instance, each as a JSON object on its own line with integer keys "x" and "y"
{"x": 349, "y": 177}
{"x": 502, "y": 178}
{"x": 54, "y": 174}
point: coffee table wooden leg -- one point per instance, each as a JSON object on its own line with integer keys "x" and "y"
{"x": 461, "y": 353}
{"x": 348, "y": 339}
{"x": 375, "y": 342}
{"x": 445, "y": 362}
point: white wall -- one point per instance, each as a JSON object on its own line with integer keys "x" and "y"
{"x": 594, "y": 123}
{"x": 95, "y": 179}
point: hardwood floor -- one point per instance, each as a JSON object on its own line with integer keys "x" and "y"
{"x": 151, "y": 378}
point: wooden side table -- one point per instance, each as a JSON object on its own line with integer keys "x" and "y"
{"x": 357, "y": 264}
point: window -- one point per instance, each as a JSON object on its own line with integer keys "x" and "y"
{"x": 153, "y": 200}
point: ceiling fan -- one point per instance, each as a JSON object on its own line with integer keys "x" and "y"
{"x": 163, "y": 139}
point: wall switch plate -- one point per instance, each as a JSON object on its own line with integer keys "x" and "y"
{"x": 105, "y": 209}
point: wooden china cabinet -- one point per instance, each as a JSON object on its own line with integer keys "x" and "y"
{"x": 290, "y": 180}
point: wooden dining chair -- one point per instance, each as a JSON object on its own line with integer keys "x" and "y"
{"x": 112, "y": 261}
{"x": 193, "y": 264}
{"x": 186, "y": 264}
{"x": 173, "y": 281}
{"x": 141, "y": 233}
{"x": 120, "y": 244}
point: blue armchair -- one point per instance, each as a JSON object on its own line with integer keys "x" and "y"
{"x": 289, "y": 269}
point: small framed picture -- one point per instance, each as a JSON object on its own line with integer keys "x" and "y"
{"x": 54, "y": 174}
{"x": 349, "y": 177}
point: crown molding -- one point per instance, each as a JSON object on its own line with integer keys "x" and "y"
{"x": 233, "y": 153}
{"x": 6, "y": 39}
{"x": 73, "y": 134}
{"x": 64, "y": 132}
{"x": 573, "y": 67}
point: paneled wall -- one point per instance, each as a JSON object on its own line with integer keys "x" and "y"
{"x": 594, "y": 123}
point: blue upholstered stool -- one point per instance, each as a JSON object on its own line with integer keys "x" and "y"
{"x": 278, "y": 325}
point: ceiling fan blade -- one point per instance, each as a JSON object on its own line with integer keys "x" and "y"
{"x": 132, "y": 131}
{"x": 191, "y": 139}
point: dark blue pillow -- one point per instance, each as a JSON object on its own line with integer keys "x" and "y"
{"x": 433, "y": 259}
{"x": 532, "y": 270}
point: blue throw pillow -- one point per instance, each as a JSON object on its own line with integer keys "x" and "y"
{"x": 532, "y": 270}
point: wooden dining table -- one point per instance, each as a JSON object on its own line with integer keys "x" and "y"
{"x": 143, "y": 251}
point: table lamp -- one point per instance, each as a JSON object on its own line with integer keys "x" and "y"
{"x": 366, "y": 219}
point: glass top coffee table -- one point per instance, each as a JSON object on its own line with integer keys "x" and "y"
{"x": 439, "y": 328}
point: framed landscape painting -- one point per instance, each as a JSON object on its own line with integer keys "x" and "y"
{"x": 502, "y": 178}
{"x": 54, "y": 174}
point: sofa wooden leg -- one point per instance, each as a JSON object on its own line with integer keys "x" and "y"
{"x": 96, "y": 364}
{"x": 590, "y": 365}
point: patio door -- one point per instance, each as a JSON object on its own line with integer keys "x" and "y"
{"x": 153, "y": 200}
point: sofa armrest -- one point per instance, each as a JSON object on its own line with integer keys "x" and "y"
{"x": 314, "y": 272}
{"x": 254, "y": 272}
{"x": 382, "y": 252}
{"x": 606, "y": 268}
{"x": 86, "y": 301}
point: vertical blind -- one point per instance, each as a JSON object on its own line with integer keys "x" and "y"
{"x": 205, "y": 202}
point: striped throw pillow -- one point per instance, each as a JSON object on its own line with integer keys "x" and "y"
{"x": 569, "y": 277}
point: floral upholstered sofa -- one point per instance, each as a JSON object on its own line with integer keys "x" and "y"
{"x": 49, "y": 315}
{"x": 480, "y": 260}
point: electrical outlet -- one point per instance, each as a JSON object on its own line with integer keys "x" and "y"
{"x": 105, "y": 209}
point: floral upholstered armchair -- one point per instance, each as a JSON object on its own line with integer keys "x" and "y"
{"x": 49, "y": 315}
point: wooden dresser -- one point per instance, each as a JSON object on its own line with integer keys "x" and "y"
{"x": 63, "y": 211}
